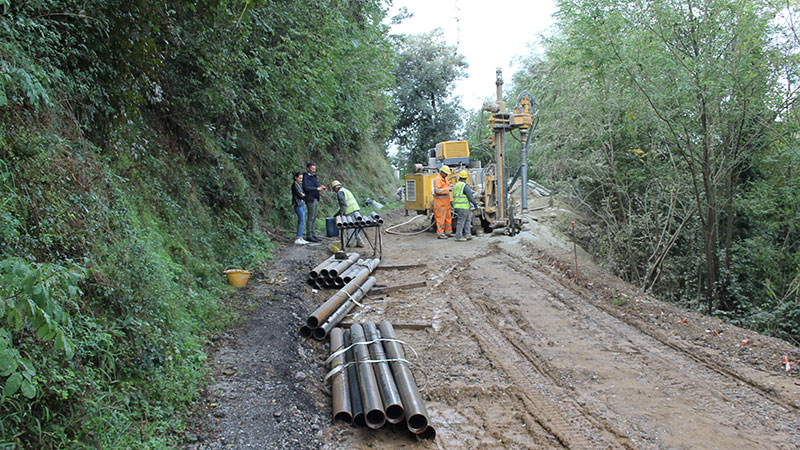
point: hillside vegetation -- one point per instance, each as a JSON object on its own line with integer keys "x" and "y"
{"x": 673, "y": 126}
{"x": 145, "y": 147}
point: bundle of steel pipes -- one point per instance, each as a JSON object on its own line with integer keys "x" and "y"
{"x": 373, "y": 220}
{"x": 333, "y": 272}
{"x": 371, "y": 382}
{"x": 330, "y": 313}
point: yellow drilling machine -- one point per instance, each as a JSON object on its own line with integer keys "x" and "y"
{"x": 491, "y": 183}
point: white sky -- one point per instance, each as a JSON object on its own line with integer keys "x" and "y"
{"x": 490, "y": 34}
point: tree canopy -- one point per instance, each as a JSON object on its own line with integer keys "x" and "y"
{"x": 660, "y": 119}
{"x": 426, "y": 112}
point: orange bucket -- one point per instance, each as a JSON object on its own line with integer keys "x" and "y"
{"x": 237, "y": 278}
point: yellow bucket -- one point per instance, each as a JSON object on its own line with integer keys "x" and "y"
{"x": 237, "y": 278}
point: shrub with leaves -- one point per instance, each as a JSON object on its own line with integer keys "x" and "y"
{"x": 35, "y": 299}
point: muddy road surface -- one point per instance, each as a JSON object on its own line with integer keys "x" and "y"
{"x": 519, "y": 351}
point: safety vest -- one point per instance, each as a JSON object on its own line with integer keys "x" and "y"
{"x": 459, "y": 197}
{"x": 350, "y": 204}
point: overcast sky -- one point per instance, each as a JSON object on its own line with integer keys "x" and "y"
{"x": 490, "y": 34}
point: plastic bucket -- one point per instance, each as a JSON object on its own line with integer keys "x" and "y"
{"x": 330, "y": 227}
{"x": 237, "y": 278}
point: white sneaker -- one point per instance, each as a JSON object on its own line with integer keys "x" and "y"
{"x": 300, "y": 241}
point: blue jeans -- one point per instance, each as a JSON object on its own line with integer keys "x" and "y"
{"x": 300, "y": 210}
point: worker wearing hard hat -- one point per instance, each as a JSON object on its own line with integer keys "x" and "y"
{"x": 441, "y": 203}
{"x": 463, "y": 203}
{"x": 348, "y": 207}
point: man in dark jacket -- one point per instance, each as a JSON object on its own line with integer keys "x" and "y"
{"x": 311, "y": 188}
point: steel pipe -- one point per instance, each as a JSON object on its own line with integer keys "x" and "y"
{"x": 415, "y": 413}
{"x": 429, "y": 433}
{"x": 326, "y": 309}
{"x": 374, "y": 415}
{"x": 346, "y": 276}
{"x": 343, "y": 265}
{"x": 392, "y": 403}
{"x": 342, "y": 410}
{"x": 305, "y": 331}
{"x": 321, "y": 331}
{"x": 315, "y": 271}
{"x": 352, "y": 381}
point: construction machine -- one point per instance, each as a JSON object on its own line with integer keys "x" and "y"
{"x": 490, "y": 184}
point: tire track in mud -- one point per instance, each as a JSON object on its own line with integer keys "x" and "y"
{"x": 582, "y": 430}
{"x": 556, "y": 289}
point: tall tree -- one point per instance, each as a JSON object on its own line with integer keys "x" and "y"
{"x": 427, "y": 113}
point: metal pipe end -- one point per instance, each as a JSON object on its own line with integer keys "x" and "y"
{"x": 319, "y": 333}
{"x": 417, "y": 423}
{"x": 312, "y": 322}
{"x": 305, "y": 331}
{"x": 375, "y": 419}
{"x": 394, "y": 414}
{"x": 344, "y": 416}
{"x": 358, "y": 420}
{"x": 428, "y": 434}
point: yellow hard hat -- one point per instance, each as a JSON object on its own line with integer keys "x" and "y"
{"x": 335, "y": 184}
{"x": 445, "y": 169}
{"x": 463, "y": 174}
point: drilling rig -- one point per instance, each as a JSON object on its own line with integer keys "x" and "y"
{"x": 490, "y": 184}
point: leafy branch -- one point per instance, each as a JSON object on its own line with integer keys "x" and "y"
{"x": 32, "y": 297}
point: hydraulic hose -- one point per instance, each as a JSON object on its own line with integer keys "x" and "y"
{"x": 389, "y": 230}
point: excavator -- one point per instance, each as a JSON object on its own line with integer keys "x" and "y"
{"x": 490, "y": 184}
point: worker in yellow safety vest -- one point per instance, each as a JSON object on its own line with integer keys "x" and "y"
{"x": 348, "y": 206}
{"x": 441, "y": 203}
{"x": 463, "y": 203}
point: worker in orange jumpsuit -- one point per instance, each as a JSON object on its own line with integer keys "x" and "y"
{"x": 441, "y": 203}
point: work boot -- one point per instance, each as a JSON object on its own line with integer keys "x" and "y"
{"x": 469, "y": 238}
{"x": 360, "y": 244}
{"x": 314, "y": 239}
{"x": 461, "y": 240}
{"x": 442, "y": 236}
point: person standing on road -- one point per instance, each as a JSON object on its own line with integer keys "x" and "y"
{"x": 348, "y": 207}
{"x": 298, "y": 201}
{"x": 441, "y": 203}
{"x": 464, "y": 203}
{"x": 311, "y": 188}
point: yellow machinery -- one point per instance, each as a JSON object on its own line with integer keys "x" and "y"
{"x": 499, "y": 209}
{"x": 419, "y": 185}
{"x": 496, "y": 209}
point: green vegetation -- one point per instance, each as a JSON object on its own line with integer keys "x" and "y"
{"x": 144, "y": 148}
{"x": 673, "y": 125}
{"x": 426, "y": 72}
{"x": 147, "y": 146}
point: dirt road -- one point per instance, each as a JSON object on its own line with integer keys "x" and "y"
{"x": 519, "y": 353}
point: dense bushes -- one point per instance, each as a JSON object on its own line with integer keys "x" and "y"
{"x": 672, "y": 128}
{"x": 144, "y": 147}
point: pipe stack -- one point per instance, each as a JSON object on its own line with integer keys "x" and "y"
{"x": 373, "y": 220}
{"x": 330, "y": 313}
{"x": 374, "y": 385}
{"x": 325, "y": 275}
